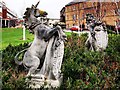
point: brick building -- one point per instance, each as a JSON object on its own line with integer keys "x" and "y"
{"x": 75, "y": 12}
{"x": 7, "y": 17}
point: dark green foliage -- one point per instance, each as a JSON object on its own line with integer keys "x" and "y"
{"x": 9, "y": 53}
{"x": 113, "y": 49}
{"x": 81, "y": 68}
{"x": 87, "y": 69}
{"x": 12, "y": 79}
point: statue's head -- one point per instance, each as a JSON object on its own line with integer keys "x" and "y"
{"x": 32, "y": 11}
{"x": 89, "y": 17}
{"x": 31, "y": 15}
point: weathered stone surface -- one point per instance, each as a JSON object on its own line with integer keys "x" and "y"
{"x": 47, "y": 47}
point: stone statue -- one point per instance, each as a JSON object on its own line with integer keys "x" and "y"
{"x": 45, "y": 54}
{"x": 98, "y": 37}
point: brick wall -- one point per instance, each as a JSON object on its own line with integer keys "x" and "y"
{"x": 75, "y": 13}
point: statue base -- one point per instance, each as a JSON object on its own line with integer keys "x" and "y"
{"x": 40, "y": 82}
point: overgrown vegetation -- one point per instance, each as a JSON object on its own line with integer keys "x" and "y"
{"x": 81, "y": 68}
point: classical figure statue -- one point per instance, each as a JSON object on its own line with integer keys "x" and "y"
{"x": 98, "y": 37}
{"x": 46, "y": 51}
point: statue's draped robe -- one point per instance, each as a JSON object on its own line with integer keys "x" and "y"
{"x": 101, "y": 40}
{"x": 53, "y": 57}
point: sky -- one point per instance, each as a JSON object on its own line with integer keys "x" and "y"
{"x": 52, "y": 7}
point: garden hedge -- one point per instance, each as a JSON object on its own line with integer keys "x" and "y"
{"x": 82, "y": 69}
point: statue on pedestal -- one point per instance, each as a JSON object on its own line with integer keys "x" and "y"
{"x": 45, "y": 54}
{"x": 98, "y": 37}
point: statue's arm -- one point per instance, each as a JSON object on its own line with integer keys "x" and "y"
{"x": 50, "y": 33}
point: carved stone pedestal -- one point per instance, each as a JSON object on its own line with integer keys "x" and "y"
{"x": 40, "y": 82}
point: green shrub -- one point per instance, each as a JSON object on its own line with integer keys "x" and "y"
{"x": 86, "y": 69}
{"x": 81, "y": 68}
{"x": 12, "y": 79}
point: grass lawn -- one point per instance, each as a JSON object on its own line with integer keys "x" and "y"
{"x": 13, "y": 36}
{"x": 68, "y": 33}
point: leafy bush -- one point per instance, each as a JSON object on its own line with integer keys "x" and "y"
{"x": 9, "y": 53}
{"x": 12, "y": 79}
{"x": 87, "y": 69}
{"x": 81, "y": 68}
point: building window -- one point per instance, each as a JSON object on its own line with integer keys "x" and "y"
{"x": 67, "y": 17}
{"x": 83, "y": 6}
{"x": 74, "y": 17}
{"x": 112, "y": 3}
{"x": 115, "y": 12}
{"x": 83, "y": 15}
{"x": 67, "y": 25}
{"x": 118, "y": 12}
{"x": 66, "y": 9}
{"x": 74, "y": 8}
{"x": 94, "y": 5}
{"x": 69, "y": 8}
{"x": 104, "y": 12}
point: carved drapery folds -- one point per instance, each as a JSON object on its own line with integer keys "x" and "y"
{"x": 47, "y": 47}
